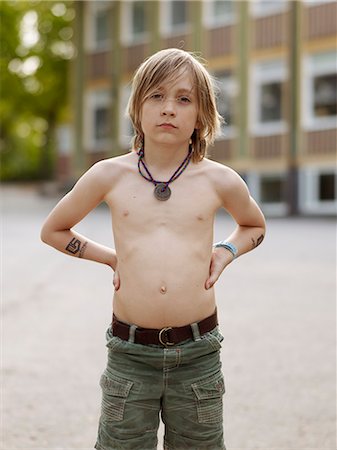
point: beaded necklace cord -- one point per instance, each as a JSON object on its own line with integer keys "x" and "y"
{"x": 162, "y": 191}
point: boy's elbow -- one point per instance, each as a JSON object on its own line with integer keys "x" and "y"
{"x": 262, "y": 227}
{"x": 50, "y": 235}
{"x": 45, "y": 235}
{"x": 262, "y": 231}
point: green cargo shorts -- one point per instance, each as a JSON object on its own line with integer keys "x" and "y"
{"x": 183, "y": 383}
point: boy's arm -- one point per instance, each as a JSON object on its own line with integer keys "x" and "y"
{"x": 250, "y": 229}
{"x": 57, "y": 231}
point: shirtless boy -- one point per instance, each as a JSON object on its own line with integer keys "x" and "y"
{"x": 164, "y": 343}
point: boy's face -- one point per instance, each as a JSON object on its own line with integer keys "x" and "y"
{"x": 169, "y": 113}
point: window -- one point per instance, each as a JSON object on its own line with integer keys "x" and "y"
{"x": 267, "y": 98}
{"x": 268, "y": 7}
{"x": 319, "y": 95}
{"x": 327, "y": 187}
{"x": 134, "y": 22}
{"x": 174, "y": 16}
{"x": 226, "y": 89}
{"x": 101, "y": 123}
{"x": 101, "y": 28}
{"x": 97, "y": 37}
{"x": 178, "y": 13}
{"x": 272, "y": 189}
{"x": 138, "y": 18}
{"x": 325, "y": 95}
{"x": 317, "y": 2}
{"x": 218, "y": 12}
{"x": 64, "y": 139}
{"x": 97, "y": 120}
{"x": 318, "y": 190}
{"x": 268, "y": 189}
{"x": 271, "y": 100}
{"x": 125, "y": 129}
{"x": 222, "y": 8}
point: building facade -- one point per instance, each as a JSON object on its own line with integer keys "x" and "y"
{"x": 275, "y": 65}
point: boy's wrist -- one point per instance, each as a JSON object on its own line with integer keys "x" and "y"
{"x": 112, "y": 261}
{"x": 228, "y": 246}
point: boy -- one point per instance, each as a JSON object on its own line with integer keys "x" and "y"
{"x": 164, "y": 343}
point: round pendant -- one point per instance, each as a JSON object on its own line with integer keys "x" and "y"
{"x": 162, "y": 192}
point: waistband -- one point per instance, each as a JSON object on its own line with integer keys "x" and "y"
{"x": 166, "y": 336}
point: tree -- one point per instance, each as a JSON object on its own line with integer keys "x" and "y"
{"x": 36, "y": 49}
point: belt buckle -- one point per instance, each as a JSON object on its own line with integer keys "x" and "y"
{"x": 162, "y": 332}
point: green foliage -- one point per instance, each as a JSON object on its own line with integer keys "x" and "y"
{"x": 35, "y": 52}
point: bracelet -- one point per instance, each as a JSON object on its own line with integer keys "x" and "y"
{"x": 227, "y": 245}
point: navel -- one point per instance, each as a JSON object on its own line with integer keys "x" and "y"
{"x": 163, "y": 289}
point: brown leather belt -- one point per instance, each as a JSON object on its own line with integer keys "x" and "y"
{"x": 167, "y": 336}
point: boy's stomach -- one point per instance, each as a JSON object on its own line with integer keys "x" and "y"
{"x": 164, "y": 285}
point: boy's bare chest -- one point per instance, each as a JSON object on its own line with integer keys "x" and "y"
{"x": 133, "y": 203}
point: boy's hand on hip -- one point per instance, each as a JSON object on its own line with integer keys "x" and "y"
{"x": 116, "y": 280}
{"x": 219, "y": 260}
{"x": 113, "y": 264}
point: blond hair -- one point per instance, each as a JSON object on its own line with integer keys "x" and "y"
{"x": 164, "y": 66}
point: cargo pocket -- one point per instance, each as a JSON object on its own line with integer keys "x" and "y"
{"x": 214, "y": 338}
{"x": 209, "y": 393}
{"x": 115, "y": 391}
{"x": 113, "y": 343}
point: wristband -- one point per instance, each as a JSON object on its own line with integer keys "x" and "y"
{"x": 227, "y": 245}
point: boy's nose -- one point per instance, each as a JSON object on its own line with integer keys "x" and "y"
{"x": 168, "y": 108}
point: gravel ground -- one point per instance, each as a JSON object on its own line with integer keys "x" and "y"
{"x": 277, "y": 313}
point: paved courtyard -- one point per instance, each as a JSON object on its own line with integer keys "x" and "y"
{"x": 277, "y": 313}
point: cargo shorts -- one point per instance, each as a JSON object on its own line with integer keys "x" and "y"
{"x": 183, "y": 384}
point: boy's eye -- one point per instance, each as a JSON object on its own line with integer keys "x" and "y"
{"x": 157, "y": 96}
{"x": 184, "y": 99}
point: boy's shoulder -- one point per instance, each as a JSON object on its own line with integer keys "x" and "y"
{"x": 225, "y": 180}
{"x": 110, "y": 166}
{"x": 219, "y": 172}
{"x": 116, "y": 161}
{"x": 210, "y": 164}
{"x": 103, "y": 174}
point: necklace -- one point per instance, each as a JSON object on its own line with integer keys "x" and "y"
{"x": 162, "y": 191}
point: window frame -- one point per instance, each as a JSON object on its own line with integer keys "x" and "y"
{"x": 100, "y": 98}
{"x": 257, "y": 10}
{"x": 227, "y": 131}
{"x": 310, "y": 70}
{"x": 93, "y": 8}
{"x": 262, "y": 74}
{"x": 317, "y": 2}
{"x": 309, "y": 191}
{"x": 125, "y": 124}
{"x": 166, "y": 28}
{"x": 211, "y": 21}
{"x": 254, "y": 182}
{"x": 128, "y": 37}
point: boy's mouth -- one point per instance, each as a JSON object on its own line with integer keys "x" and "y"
{"x": 166, "y": 125}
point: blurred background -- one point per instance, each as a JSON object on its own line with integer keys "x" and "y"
{"x": 65, "y": 72}
{"x": 66, "y": 69}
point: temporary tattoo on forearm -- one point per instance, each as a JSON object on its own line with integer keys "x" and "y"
{"x": 258, "y": 242}
{"x": 74, "y": 246}
{"x": 83, "y": 248}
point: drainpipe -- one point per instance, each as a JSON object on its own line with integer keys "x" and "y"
{"x": 294, "y": 106}
{"x": 78, "y": 162}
